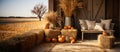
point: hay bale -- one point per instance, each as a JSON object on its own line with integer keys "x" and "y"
{"x": 39, "y": 33}
{"x": 27, "y": 41}
{"x": 10, "y": 45}
{"x": 52, "y": 33}
{"x": 7, "y": 34}
{"x": 39, "y": 37}
{"x": 106, "y": 41}
{"x": 22, "y": 43}
{"x": 69, "y": 32}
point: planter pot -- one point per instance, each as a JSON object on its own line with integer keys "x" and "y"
{"x": 67, "y": 21}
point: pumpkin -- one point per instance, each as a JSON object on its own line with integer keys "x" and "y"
{"x": 104, "y": 33}
{"x": 71, "y": 38}
{"x": 48, "y": 39}
{"x": 72, "y": 41}
{"x": 59, "y": 36}
{"x": 47, "y": 26}
{"x": 63, "y": 36}
{"x": 54, "y": 39}
{"x": 69, "y": 27}
{"x": 61, "y": 40}
{"x": 65, "y": 27}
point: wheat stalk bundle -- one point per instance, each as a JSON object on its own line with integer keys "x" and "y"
{"x": 68, "y": 6}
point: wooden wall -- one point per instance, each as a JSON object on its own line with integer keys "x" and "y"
{"x": 96, "y": 10}
{"x": 112, "y": 11}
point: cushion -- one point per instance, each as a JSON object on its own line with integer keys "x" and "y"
{"x": 99, "y": 26}
{"x": 83, "y": 24}
{"x": 106, "y": 23}
{"x": 90, "y": 24}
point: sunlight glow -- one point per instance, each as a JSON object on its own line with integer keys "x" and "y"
{"x": 19, "y": 7}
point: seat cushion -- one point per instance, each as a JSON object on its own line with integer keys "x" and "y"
{"x": 90, "y": 24}
{"x": 99, "y": 26}
{"x": 83, "y": 24}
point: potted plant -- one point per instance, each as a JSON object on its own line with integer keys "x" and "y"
{"x": 68, "y": 7}
{"x": 53, "y": 19}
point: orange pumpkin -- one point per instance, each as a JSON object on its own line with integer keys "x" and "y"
{"x": 72, "y": 41}
{"x": 48, "y": 39}
{"x": 47, "y": 26}
{"x": 71, "y": 38}
{"x": 54, "y": 39}
{"x": 63, "y": 36}
{"x": 61, "y": 40}
{"x": 59, "y": 36}
{"x": 104, "y": 33}
{"x": 65, "y": 27}
{"x": 69, "y": 27}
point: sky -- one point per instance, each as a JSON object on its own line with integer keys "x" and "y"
{"x": 19, "y": 7}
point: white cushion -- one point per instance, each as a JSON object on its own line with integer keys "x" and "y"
{"x": 83, "y": 24}
{"x": 99, "y": 26}
{"x": 106, "y": 23}
{"x": 90, "y": 24}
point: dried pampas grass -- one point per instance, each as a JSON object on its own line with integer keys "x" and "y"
{"x": 51, "y": 16}
{"x": 68, "y": 6}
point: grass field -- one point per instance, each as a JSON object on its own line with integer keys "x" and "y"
{"x": 15, "y": 27}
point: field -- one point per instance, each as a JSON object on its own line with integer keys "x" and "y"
{"x": 16, "y": 26}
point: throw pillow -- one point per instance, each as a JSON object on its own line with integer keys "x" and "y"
{"x": 106, "y": 23}
{"x": 83, "y": 24}
{"x": 99, "y": 26}
{"x": 90, "y": 24}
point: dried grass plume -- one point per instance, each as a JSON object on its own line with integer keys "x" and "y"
{"x": 68, "y": 6}
{"x": 51, "y": 16}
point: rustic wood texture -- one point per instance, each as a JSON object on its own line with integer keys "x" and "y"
{"x": 112, "y": 12}
{"x": 51, "y": 5}
{"x": 119, "y": 17}
{"x": 95, "y": 10}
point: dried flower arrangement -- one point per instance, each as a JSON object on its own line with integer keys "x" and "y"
{"x": 51, "y": 16}
{"x": 68, "y": 6}
{"x": 54, "y": 18}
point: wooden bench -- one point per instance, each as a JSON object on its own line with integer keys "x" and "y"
{"x": 95, "y": 31}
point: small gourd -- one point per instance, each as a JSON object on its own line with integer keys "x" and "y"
{"x": 54, "y": 39}
{"x": 104, "y": 33}
{"x": 65, "y": 27}
{"x": 69, "y": 27}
